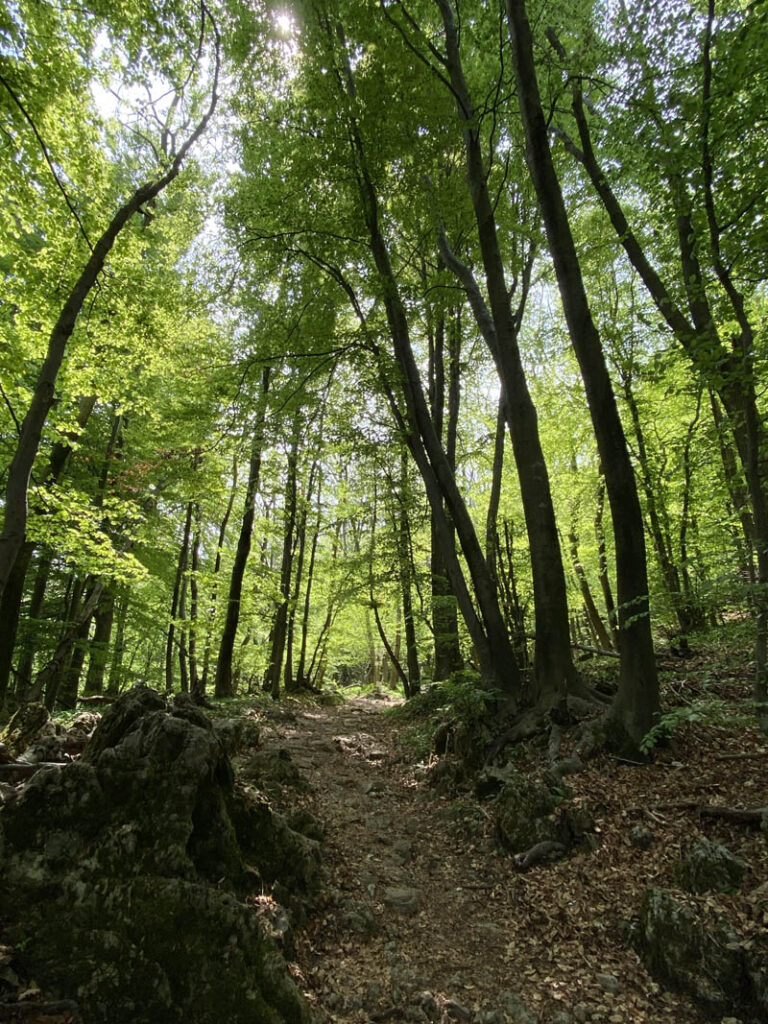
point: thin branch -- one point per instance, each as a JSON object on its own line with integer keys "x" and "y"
{"x": 10, "y": 408}
{"x": 41, "y": 142}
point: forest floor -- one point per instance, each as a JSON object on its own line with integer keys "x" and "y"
{"x": 425, "y": 918}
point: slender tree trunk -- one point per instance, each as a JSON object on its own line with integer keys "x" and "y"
{"x": 115, "y": 682}
{"x": 177, "y": 611}
{"x": 50, "y": 677}
{"x": 497, "y": 656}
{"x": 553, "y": 663}
{"x": 223, "y": 685}
{"x": 14, "y": 528}
{"x": 445, "y": 623}
{"x": 602, "y": 637}
{"x": 211, "y": 622}
{"x": 10, "y": 603}
{"x": 318, "y": 654}
{"x": 104, "y": 616}
{"x": 406, "y": 573}
{"x": 602, "y": 559}
{"x": 301, "y": 674}
{"x": 653, "y": 501}
{"x": 280, "y": 627}
{"x": 195, "y": 681}
{"x": 9, "y": 615}
{"x": 736, "y": 490}
{"x": 637, "y": 702}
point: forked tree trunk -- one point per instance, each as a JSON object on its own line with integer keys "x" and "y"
{"x": 637, "y": 702}
{"x": 553, "y": 664}
{"x": 488, "y": 630}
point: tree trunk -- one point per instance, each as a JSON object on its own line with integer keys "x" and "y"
{"x": 653, "y": 501}
{"x": 301, "y": 673}
{"x": 553, "y": 663}
{"x": 50, "y": 676}
{"x": 211, "y": 623}
{"x": 602, "y": 559}
{"x": 602, "y": 637}
{"x": 13, "y": 533}
{"x": 636, "y": 706}
{"x": 10, "y": 604}
{"x": 104, "y": 616}
{"x": 197, "y": 688}
{"x": 729, "y": 373}
{"x": 179, "y": 584}
{"x": 445, "y": 623}
{"x": 405, "y": 573}
{"x": 115, "y": 682}
{"x": 280, "y": 626}
{"x": 489, "y": 631}
{"x": 223, "y": 684}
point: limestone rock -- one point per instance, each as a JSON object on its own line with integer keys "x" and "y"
{"x": 271, "y": 771}
{"x": 524, "y": 810}
{"x": 122, "y": 871}
{"x": 26, "y": 725}
{"x": 701, "y": 957}
{"x": 404, "y": 900}
{"x": 710, "y": 866}
{"x": 641, "y": 838}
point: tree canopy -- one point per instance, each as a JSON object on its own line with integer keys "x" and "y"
{"x": 379, "y": 342}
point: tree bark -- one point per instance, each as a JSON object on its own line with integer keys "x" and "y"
{"x": 445, "y": 623}
{"x": 280, "y": 625}
{"x": 212, "y": 608}
{"x": 197, "y": 688}
{"x": 553, "y": 662}
{"x": 104, "y": 616}
{"x": 223, "y": 685}
{"x": 636, "y": 706}
{"x": 115, "y": 681}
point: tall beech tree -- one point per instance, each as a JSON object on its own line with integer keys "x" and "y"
{"x": 637, "y": 702}
{"x": 13, "y": 532}
{"x": 223, "y": 684}
{"x": 714, "y": 241}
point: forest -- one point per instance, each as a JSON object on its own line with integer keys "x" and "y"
{"x": 410, "y": 350}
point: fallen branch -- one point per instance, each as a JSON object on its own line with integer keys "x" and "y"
{"x": 748, "y": 756}
{"x": 96, "y": 699}
{"x": 600, "y": 651}
{"x": 742, "y": 816}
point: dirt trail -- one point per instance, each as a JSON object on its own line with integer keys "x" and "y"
{"x": 426, "y": 921}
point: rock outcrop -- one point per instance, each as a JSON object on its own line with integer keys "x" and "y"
{"x": 125, "y": 876}
{"x": 700, "y": 954}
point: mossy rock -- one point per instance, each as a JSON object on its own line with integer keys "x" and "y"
{"x": 524, "y": 810}
{"x": 272, "y": 771}
{"x": 710, "y": 867}
{"x": 700, "y": 956}
{"x": 280, "y": 854}
{"x": 160, "y": 949}
{"x": 121, "y": 874}
{"x": 25, "y": 726}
